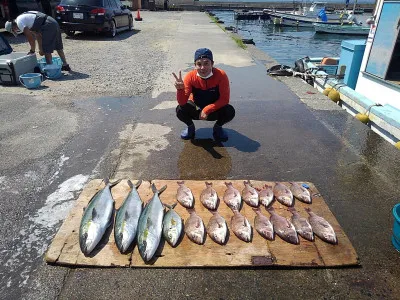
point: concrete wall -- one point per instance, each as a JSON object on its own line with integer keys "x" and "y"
{"x": 373, "y": 88}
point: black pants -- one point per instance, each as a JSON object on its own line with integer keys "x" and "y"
{"x": 189, "y": 112}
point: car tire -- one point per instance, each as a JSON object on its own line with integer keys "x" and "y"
{"x": 69, "y": 32}
{"x": 130, "y": 24}
{"x": 113, "y": 29}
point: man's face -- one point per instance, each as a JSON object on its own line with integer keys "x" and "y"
{"x": 203, "y": 66}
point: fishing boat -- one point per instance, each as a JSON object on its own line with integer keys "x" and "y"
{"x": 370, "y": 87}
{"x": 301, "y": 21}
{"x": 352, "y": 29}
{"x": 306, "y": 17}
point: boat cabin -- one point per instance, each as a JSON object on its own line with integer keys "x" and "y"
{"x": 379, "y": 77}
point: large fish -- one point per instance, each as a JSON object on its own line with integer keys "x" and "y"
{"x": 266, "y": 195}
{"x": 321, "y": 227}
{"x": 184, "y": 195}
{"x": 172, "y": 226}
{"x": 300, "y": 192}
{"x": 150, "y": 225}
{"x": 263, "y": 225}
{"x": 217, "y": 228}
{"x": 241, "y": 226}
{"x": 250, "y": 194}
{"x": 283, "y": 227}
{"x": 232, "y": 197}
{"x": 283, "y": 194}
{"x": 301, "y": 224}
{"x": 96, "y": 218}
{"x": 194, "y": 227}
{"x": 209, "y": 197}
{"x": 127, "y": 218}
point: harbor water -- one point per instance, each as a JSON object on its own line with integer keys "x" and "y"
{"x": 287, "y": 44}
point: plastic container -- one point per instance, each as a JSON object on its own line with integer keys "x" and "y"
{"x": 52, "y": 71}
{"x": 31, "y": 80}
{"x": 396, "y": 227}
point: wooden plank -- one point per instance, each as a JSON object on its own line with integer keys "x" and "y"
{"x": 342, "y": 254}
{"x": 189, "y": 254}
{"x": 259, "y": 252}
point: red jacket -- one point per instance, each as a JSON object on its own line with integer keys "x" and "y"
{"x": 209, "y": 94}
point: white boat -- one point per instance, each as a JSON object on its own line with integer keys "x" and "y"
{"x": 341, "y": 29}
{"x": 371, "y": 83}
{"x": 301, "y": 21}
{"x": 305, "y": 17}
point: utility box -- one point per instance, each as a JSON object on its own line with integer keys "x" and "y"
{"x": 351, "y": 56}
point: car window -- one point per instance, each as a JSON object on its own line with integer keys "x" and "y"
{"x": 114, "y": 4}
{"x": 119, "y": 4}
{"x": 97, "y": 3}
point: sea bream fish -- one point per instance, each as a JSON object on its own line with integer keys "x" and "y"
{"x": 300, "y": 192}
{"x": 209, "y": 197}
{"x": 232, "y": 197}
{"x": 127, "y": 218}
{"x": 250, "y": 194}
{"x": 266, "y": 195}
{"x": 150, "y": 225}
{"x": 172, "y": 226}
{"x": 217, "y": 228}
{"x": 263, "y": 225}
{"x": 241, "y": 226}
{"x": 96, "y": 218}
{"x": 184, "y": 195}
{"x": 283, "y": 194}
{"x": 321, "y": 227}
{"x": 194, "y": 227}
{"x": 302, "y": 225}
{"x": 283, "y": 227}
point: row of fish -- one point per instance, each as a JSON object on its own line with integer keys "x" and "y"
{"x": 286, "y": 229}
{"x": 250, "y": 195}
{"x": 150, "y": 223}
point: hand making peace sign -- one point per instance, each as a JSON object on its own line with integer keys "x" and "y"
{"x": 179, "y": 82}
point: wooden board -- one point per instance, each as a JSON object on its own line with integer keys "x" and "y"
{"x": 65, "y": 249}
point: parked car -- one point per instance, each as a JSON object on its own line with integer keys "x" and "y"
{"x": 10, "y": 9}
{"x": 108, "y": 16}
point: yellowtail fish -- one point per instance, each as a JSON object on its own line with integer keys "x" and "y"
{"x": 127, "y": 218}
{"x": 150, "y": 225}
{"x": 96, "y": 218}
{"x": 172, "y": 226}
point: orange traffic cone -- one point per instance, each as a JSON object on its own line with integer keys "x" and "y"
{"x": 138, "y": 18}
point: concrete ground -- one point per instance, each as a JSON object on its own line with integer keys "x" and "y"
{"x": 283, "y": 131}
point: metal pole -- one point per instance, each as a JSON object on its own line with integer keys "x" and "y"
{"x": 354, "y": 6}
